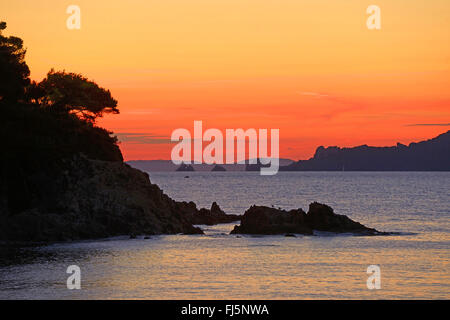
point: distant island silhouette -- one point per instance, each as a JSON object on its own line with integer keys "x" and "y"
{"x": 63, "y": 178}
{"x": 429, "y": 155}
{"x": 185, "y": 167}
{"x": 218, "y": 168}
{"x": 168, "y": 165}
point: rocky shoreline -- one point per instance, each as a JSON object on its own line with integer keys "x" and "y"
{"x": 90, "y": 199}
{"x": 320, "y": 217}
{"x": 209, "y": 217}
{"x": 82, "y": 198}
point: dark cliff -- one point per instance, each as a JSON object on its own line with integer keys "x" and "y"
{"x": 429, "y": 155}
{"x": 83, "y": 199}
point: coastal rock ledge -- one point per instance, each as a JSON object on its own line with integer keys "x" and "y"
{"x": 209, "y": 217}
{"x": 269, "y": 221}
{"x": 87, "y": 199}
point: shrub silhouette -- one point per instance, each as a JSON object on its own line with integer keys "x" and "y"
{"x": 52, "y": 119}
{"x": 73, "y": 93}
{"x": 14, "y": 72}
{"x": 44, "y": 124}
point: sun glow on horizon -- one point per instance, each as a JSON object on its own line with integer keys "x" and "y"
{"x": 309, "y": 68}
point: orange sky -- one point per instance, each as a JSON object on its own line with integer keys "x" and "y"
{"x": 310, "y": 68}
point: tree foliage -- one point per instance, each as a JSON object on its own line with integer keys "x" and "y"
{"x": 43, "y": 126}
{"x": 50, "y": 120}
{"x": 14, "y": 72}
{"x": 73, "y": 93}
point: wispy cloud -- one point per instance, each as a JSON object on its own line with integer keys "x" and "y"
{"x": 428, "y": 125}
{"x": 312, "y": 94}
{"x": 336, "y": 105}
{"x": 142, "y": 138}
{"x": 140, "y": 112}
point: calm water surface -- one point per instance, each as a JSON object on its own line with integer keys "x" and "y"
{"x": 413, "y": 265}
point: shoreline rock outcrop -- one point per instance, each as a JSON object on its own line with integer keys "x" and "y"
{"x": 82, "y": 198}
{"x": 320, "y": 217}
{"x": 210, "y": 217}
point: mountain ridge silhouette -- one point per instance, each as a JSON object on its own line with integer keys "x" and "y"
{"x": 429, "y": 155}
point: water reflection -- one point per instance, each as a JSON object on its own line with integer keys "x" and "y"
{"x": 414, "y": 263}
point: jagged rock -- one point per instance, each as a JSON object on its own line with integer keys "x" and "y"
{"x": 218, "y": 168}
{"x": 185, "y": 167}
{"x": 215, "y": 209}
{"x": 265, "y": 220}
{"x": 322, "y": 218}
{"x": 85, "y": 199}
{"x": 213, "y": 216}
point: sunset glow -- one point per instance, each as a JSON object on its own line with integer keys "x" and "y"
{"x": 309, "y": 68}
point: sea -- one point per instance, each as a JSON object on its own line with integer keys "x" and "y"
{"x": 412, "y": 263}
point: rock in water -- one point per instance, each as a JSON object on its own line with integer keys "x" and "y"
{"x": 322, "y": 218}
{"x": 218, "y": 168}
{"x": 185, "y": 167}
{"x": 213, "y": 216}
{"x": 265, "y": 220}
